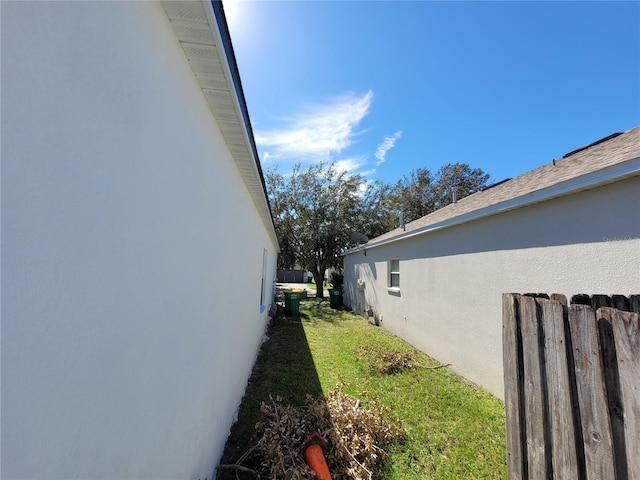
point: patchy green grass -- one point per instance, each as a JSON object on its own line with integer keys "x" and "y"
{"x": 455, "y": 429}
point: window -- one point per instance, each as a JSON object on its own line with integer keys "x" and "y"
{"x": 264, "y": 275}
{"x": 394, "y": 273}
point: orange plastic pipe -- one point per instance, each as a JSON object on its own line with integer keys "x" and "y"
{"x": 315, "y": 459}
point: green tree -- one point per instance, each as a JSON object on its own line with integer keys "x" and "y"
{"x": 467, "y": 180}
{"x": 315, "y": 210}
{"x": 413, "y": 194}
{"x": 378, "y": 213}
{"x": 421, "y": 192}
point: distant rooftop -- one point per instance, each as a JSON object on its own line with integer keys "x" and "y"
{"x": 607, "y": 160}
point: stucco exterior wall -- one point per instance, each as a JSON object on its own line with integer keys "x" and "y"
{"x": 132, "y": 255}
{"x": 451, "y": 281}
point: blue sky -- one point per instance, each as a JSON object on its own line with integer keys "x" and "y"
{"x": 385, "y": 87}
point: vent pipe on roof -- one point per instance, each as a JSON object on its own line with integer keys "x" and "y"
{"x": 454, "y": 193}
{"x": 401, "y": 217}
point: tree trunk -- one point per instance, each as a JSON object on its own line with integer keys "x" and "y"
{"x": 318, "y": 277}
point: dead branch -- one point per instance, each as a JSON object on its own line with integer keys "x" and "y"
{"x": 356, "y": 460}
{"x": 240, "y": 468}
{"x": 434, "y": 368}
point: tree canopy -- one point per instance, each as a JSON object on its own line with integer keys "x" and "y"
{"x": 315, "y": 211}
{"x": 421, "y": 192}
{"x": 317, "y": 208}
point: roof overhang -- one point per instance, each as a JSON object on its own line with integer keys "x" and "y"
{"x": 201, "y": 28}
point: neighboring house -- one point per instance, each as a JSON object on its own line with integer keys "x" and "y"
{"x": 138, "y": 250}
{"x": 571, "y": 226}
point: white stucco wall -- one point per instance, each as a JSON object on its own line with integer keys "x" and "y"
{"x": 450, "y": 299}
{"x": 131, "y": 252}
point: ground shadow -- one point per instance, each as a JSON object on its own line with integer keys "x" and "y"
{"x": 284, "y": 368}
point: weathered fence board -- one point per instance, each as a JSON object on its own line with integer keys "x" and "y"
{"x": 626, "y": 332}
{"x": 620, "y": 302}
{"x": 563, "y": 438}
{"x": 594, "y": 412}
{"x": 609, "y": 361}
{"x": 558, "y": 297}
{"x": 634, "y": 301}
{"x": 572, "y": 386}
{"x": 534, "y": 395}
{"x": 513, "y": 395}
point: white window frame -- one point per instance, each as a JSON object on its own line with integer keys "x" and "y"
{"x": 393, "y": 269}
{"x": 263, "y": 283}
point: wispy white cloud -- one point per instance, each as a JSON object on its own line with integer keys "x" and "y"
{"x": 349, "y": 165}
{"x": 367, "y": 173}
{"x": 319, "y": 132}
{"x": 385, "y": 146}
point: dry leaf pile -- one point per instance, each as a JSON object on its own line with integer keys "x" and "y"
{"x": 355, "y": 436}
{"x": 388, "y": 363}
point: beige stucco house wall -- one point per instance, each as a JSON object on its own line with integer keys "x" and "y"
{"x": 138, "y": 252}
{"x": 572, "y": 227}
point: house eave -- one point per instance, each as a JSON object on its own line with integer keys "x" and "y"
{"x": 614, "y": 173}
{"x": 202, "y": 31}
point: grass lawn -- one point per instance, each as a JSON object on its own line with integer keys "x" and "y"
{"x": 455, "y": 430}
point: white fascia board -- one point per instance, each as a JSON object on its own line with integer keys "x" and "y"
{"x": 627, "y": 169}
{"x": 265, "y": 212}
{"x": 213, "y": 24}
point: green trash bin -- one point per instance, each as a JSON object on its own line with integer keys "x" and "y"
{"x": 335, "y": 297}
{"x": 292, "y": 303}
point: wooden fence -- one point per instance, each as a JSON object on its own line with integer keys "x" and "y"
{"x": 572, "y": 386}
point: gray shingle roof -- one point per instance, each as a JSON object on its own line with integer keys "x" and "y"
{"x": 508, "y": 195}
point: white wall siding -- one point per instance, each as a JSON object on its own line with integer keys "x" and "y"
{"x": 450, "y": 301}
{"x": 131, "y": 252}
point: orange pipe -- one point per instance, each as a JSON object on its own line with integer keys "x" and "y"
{"x": 312, "y": 453}
{"x": 315, "y": 459}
